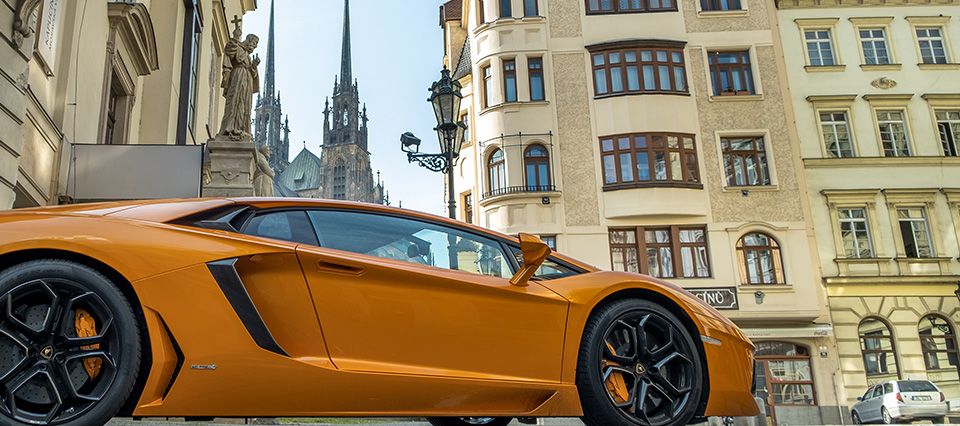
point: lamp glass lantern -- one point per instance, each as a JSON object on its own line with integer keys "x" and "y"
{"x": 445, "y": 97}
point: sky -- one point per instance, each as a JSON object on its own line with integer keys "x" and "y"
{"x": 397, "y": 54}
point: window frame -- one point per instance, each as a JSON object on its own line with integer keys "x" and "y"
{"x": 715, "y": 70}
{"x": 823, "y": 137}
{"x": 615, "y": 8}
{"x": 949, "y": 335}
{"x": 924, "y": 210}
{"x": 504, "y": 12}
{"x": 691, "y": 178}
{"x": 942, "y": 38}
{"x": 861, "y": 340}
{"x": 952, "y": 135}
{"x": 831, "y": 42}
{"x": 467, "y": 203}
{"x": 776, "y": 255}
{"x": 715, "y": 3}
{"x": 508, "y": 76}
{"x": 727, "y": 154}
{"x": 675, "y": 70}
{"x": 763, "y": 361}
{"x": 536, "y": 162}
{"x": 481, "y": 13}
{"x": 486, "y": 74}
{"x": 533, "y": 71}
{"x": 865, "y": 220}
{"x": 527, "y": 13}
{"x": 340, "y": 173}
{"x": 865, "y": 60}
{"x": 501, "y": 166}
{"x": 675, "y": 246}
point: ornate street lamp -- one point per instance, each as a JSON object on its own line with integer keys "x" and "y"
{"x": 446, "y": 98}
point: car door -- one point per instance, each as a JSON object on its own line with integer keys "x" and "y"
{"x": 403, "y": 295}
{"x": 876, "y": 403}
{"x": 863, "y": 406}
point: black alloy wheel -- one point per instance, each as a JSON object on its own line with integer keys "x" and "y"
{"x": 469, "y": 421}
{"x": 638, "y": 366}
{"x": 70, "y": 345}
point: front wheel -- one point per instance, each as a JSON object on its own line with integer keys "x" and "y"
{"x": 469, "y": 421}
{"x": 856, "y": 419}
{"x": 70, "y": 345}
{"x": 638, "y": 364}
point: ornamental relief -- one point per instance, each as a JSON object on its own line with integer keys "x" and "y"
{"x": 884, "y": 83}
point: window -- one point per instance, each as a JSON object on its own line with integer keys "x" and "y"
{"x": 745, "y": 160}
{"x": 530, "y": 8}
{"x": 340, "y": 181}
{"x": 783, "y": 372}
{"x": 879, "y": 352}
{"x": 855, "y": 233}
{"x": 595, "y": 7}
{"x": 719, "y": 5}
{"x": 874, "y": 44}
{"x": 760, "y": 261}
{"x": 731, "y": 73}
{"x": 482, "y": 14}
{"x": 939, "y": 343}
{"x": 665, "y": 252}
{"x": 468, "y": 208}
{"x": 649, "y": 159}
{"x": 643, "y": 70}
{"x": 915, "y": 232}
{"x": 893, "y": 133}
{"x": 550, "y": 240}
{"x": 487, "y": 85}
{"x": 948, "y": 124}
{"x": 465, "y": 118}
{"x": 496, "y": 173}
{"x": 551, "y": 268}
{"x": 836, "y": 134}
{"x": 510, "y": 80}
{"x": 535, "y": 70}
{"x": 412, "y": 241}
{"x": 932, "y": 48}
{"x": 506, "y": 9}
{"x": 819, "y": 47}
{"x": 117, "y": 109}
{"x": 536, "y": 166}
{"x": 109, "y": 136}
{"x": 189, "y": 71}
{"x": 290, "y": 226}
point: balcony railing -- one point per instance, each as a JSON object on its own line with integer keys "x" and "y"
{"x": 526, "y": 189}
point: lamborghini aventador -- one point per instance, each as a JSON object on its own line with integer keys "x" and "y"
{"x": 306, "y": 308}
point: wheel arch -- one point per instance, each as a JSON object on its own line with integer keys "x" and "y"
{"x": 8, "y": 260}
{"x": 681, "y": 314}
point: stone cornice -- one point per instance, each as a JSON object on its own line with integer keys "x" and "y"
{"x": 830, "y": 4}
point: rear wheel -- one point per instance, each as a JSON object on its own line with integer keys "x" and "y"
{"x": 638, "y": 364}
{"x": 885, "y": 416}
{"x": 70, "y": 345}
{"x": 469, "y": 421}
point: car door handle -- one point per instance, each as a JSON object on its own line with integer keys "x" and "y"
{"x": 337, "y": 268}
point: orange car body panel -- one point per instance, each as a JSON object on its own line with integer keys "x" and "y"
{"x": 363, "y": 336}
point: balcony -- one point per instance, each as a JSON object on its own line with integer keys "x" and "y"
{"x": 527, "y": 189}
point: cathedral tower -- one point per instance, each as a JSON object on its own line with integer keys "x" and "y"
{"x": 270, "y": 128}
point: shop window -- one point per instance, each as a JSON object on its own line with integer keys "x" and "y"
{"x": 783, "y": 376}
{"x": 879, "y": 351}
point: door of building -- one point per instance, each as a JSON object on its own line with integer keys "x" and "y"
{"x": 784, "y": 379}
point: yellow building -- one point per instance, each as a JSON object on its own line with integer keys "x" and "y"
{"x": 96, "y": 96}
{"x": 876, "y": 93}
{"x": 652, "y": 136}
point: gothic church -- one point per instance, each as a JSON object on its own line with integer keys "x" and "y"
{"x": 343, "y": 170}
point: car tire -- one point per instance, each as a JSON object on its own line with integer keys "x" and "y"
{"x": 885, "y": 417}
{"x": 856, "y": 418}
{"x": 620, "y": 382}
{"x": 74, "y": 344}
{"x": 469, "y": 421}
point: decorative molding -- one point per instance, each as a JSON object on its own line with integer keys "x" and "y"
{"x": 135, "y": 28}
{"x": 22, "y": 27}
{"x": 928, "y": 20}
{"x": 831, "y": 101}
{"x": 825, "y": 68}
{"x": 932, "y": 161}
{"x": 870, "y": 20}
{"x": 837, "y": 197}
{"x": 816, "y": 22}
{"x": 630, "y": 43}
{"x": 884, "y": 83}
{"x": 952, "y": 66}
{"x": 830, "y": 4}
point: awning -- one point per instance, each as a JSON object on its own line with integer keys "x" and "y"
{"x": 816, "y": 330}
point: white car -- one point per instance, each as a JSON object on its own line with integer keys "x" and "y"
{"x": 900, "y": 400}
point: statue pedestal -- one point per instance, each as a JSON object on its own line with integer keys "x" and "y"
{"x": 231, "y": 167}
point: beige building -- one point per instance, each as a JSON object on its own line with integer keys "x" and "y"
{"x": 98, "y": 98}
{"x": 876, "y": 94}
{"x": 651, "y": 136}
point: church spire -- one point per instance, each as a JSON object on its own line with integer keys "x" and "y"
{"x": 270, "y": 84}
{"x": 346, "y": 65}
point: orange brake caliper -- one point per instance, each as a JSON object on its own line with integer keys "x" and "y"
{"x": 615, "y": 384}
{"x": 87, "y": 327}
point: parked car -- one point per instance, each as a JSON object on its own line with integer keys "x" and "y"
{"x": 315, "y": 308}
{"x": 900, "y": 400}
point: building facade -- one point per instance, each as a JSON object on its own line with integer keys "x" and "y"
{"x": 876, "y": 94}
{"x": 109, "y": 74}
{"x": 652, "y": 136}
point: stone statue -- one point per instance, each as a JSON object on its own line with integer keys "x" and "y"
{"x": 240, "y": 81}
{"x": 263, "y": 175}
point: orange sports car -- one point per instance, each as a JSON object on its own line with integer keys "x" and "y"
{"x": 305, "y": 308}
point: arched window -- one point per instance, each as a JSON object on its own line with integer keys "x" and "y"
{"x": 760, "y": 261}
{"x": 496, "y": 173}
{"x": 536, "y": 165}
{"x": 340, "y": 181}
{"x": 940, "y": 353}
{"x": 879, "y": 352}
{"x": 783, "y": 371}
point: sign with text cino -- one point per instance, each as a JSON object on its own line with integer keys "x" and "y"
{"x": 721, "y": 298}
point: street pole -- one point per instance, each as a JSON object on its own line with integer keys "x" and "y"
{"x": 451, "y": 196}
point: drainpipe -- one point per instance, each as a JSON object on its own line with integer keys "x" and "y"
{"x": 836, "y": 391}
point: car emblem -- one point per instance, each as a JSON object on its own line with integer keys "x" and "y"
{"x": 47, "y": 352}
{"x": 210, "y": 367}
{"x": 641, "y": 369}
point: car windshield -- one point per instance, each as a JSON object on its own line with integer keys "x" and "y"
{"x": 916, "y": 386}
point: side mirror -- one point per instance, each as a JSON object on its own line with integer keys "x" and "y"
{"x": 534, "y": 252}
{"x": 859, "y": 398}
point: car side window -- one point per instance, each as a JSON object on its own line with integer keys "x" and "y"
{"x": 289, "y": 225}
{"x": 410, "y": 240}
{"x": 868, "y": 394}
{"x": 878, "y": 392}
{"x": 887, "y": 388}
